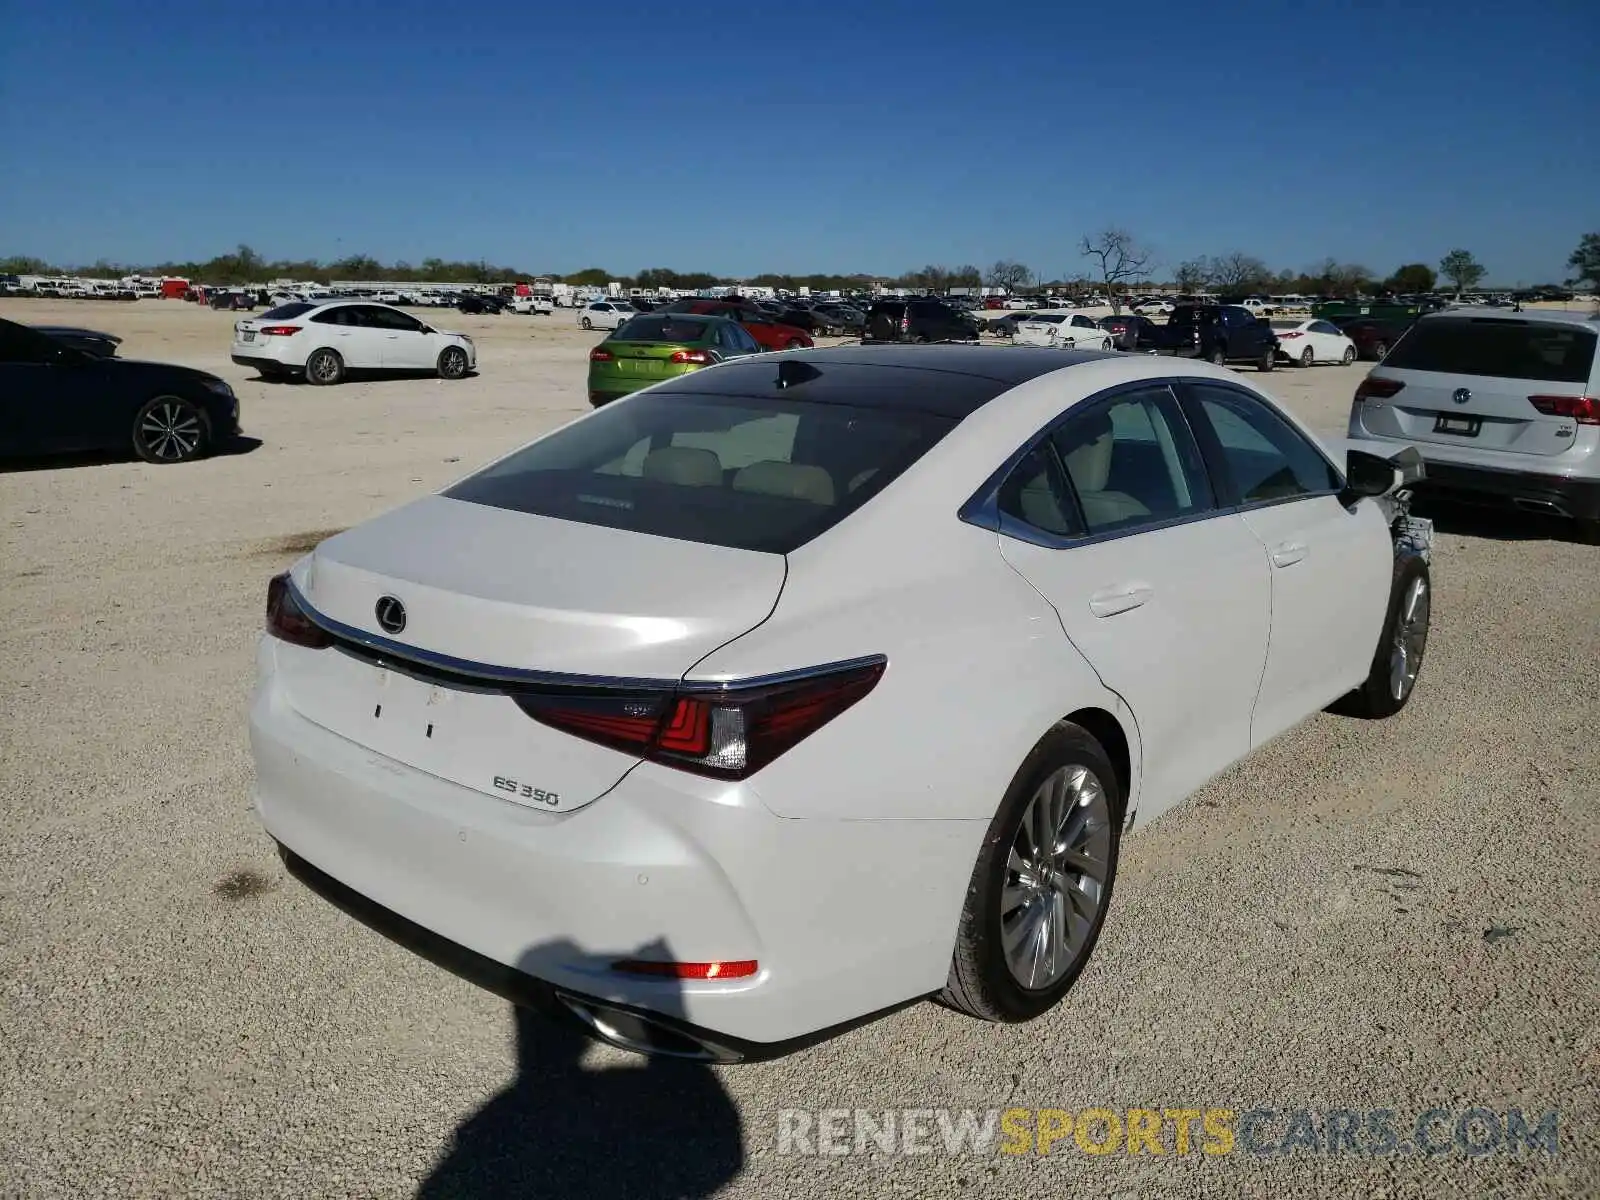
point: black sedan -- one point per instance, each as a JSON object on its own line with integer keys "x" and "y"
{"x": 1130, "y": 331}
{"x": 90, "y": 341}
{"x": 58, "y": 399}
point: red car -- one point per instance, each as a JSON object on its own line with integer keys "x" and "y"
{"x": 772, "y": 334}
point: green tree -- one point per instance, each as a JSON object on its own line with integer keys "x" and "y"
{"x": 1585, "y": 261}
{"x": 1461, "y": 269}
{"x": 1412, "y": 277}
{"x": 589, "y": 277}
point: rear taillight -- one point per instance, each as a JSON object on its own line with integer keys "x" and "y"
{"x": 287, "y": 621}
{"x": 600, "y": 354}
{"x": 690, "y": 356}
{"x": 740, "y": 968}
{"x": 1293, "y": 333}
{"x": 1585, "y": 410}
{"x": 1377, "y": 389}
{"x": 905, "y": 323}
{"x": 279, "y": 330}
{"x": 728, "y": 732}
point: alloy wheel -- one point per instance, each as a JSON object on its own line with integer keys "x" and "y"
{"x": 1410, "y": 639}
{"x": 170, "y": 430}
{"x": 1056, "y": 877}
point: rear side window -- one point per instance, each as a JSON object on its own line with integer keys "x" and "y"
{"x": 660, "y": 329}
{"x": 1266, "y": 458}
{"x": 750, "y": 474}
{"x": 1508, "y": 349}
{"x": 287, "y": 312}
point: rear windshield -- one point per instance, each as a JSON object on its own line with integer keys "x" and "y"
{"x": 285, "y": 312}
{"x": 1287, "y": 324}
{"x": 750, "y": 474}
{"x": 660, "y": 329}
{"x": 1508, "y": 349}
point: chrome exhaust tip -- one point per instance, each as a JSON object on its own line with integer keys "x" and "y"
{"x": 634, "y": 1031}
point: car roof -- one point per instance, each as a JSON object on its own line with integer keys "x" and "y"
{"x": 950, "y": 381}
{"x": 1551, "y": 315}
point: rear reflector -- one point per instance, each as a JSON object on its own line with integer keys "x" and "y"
{"x": 727, "y": 732}
{"x": 279, "y": 330}
{"x": 1377, "y": 389}
{"x": 1585, "y": 410}
{"x": 741, "y": 968}
{"x": 287, "y": 622}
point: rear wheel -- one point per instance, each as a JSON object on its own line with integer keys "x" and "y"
{"x": 324, "y": 367}
{"x": 170, "y": 429}
{"x": 586, "y": 323}
{"x": 1042, "y": 884}
{"x": 795, "y": 344}
{"x": 1404, "y": 641}
{"x": 1349, "y": 356}
{"x": 452, "y": 362}
{"x": 1219, "y": 357}
{"x": 1380, "y": 350}
{"x": 1269, "y": 360}
{"x": 1307, "y": 357}
{"x": 1105, "y": 344}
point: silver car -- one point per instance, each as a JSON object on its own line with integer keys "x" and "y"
{"x": 1503, "y": 405}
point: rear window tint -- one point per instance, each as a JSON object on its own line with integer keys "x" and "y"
{"x": 765, "y": 475}
{"x": 660, "y": 329}
{"x": 285, "y": 312}
{"x": 1507, "y": 349}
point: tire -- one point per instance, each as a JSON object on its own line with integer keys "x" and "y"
{"x": 1380, "y": 350}
{"x": 1307, "y": 357}
{"x": 324, "y": 368}
{"x": 452, "y": 363}
{"x": 1269, "y": 360}
{"x": 1068, "y": 767}
{"x": 170, "y": 429}
{"x": 1105, "y": 344}
{"x": 586, "y": 323}
{"x": 1349, "y": 356}
{"x": 794, "y": 344}
{"x": 1218, "y": 357}
{"x": 1391, "y": 682}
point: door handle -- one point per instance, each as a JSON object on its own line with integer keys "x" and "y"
{"x": 1286, "y": 554}
{"x": 1113, "y": 600}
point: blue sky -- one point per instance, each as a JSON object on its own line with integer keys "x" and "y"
{"x": 738, "y": 138}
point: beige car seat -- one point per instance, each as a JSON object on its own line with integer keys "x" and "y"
{"x": 796, "y": 481}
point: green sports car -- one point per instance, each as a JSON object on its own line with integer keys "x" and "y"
{"x": 656, "y": 346}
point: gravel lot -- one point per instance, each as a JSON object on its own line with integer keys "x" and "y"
{"x": 1400, "y": 915}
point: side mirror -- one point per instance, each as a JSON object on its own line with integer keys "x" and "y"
{"x": 1368, "y": 475}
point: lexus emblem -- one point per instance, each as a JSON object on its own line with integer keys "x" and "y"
{"x": 391, "y": 614}
{"x": 1461, "y": 395}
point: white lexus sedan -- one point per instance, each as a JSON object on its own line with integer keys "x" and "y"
{"x": 1306, "y": 343}
{"x": 801, "y": 687}
{"x": 1064, "y": 331}
{"x": 323, "y": 341}
{"x": 606, "y": 314}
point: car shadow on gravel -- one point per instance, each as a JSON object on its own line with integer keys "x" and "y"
{"x": 563, "y": 1129}
{"x": 1494, "y": 523}
{"x": 364, "y": 375}
{"x": 103, "y": 458}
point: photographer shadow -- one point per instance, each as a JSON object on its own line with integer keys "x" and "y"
{"x": 657, "y": 1126}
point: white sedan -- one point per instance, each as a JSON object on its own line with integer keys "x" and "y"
{"x": 805, "y": 685}
{"x": 322, "y": 341}
{"x": 1308, "y": 342}
{"x": 606, "y": 314}
{"x": 1064, "y": 331}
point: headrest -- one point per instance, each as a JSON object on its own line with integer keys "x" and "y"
{"x": 1086, "y": 449}
{"x": 689, "y": 466}
{"x": 797, "y": 481}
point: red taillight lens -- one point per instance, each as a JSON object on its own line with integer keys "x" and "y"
{"x": 279, "y": 330}
{"x": 905, "y": 323}
{"x": 1585, "y": 410}
{"x": 1293, "y": 333}
{"x": 600, "y": 354}
{"x": 1377, "y": 389}
{"x": 729, "y": 733}
{"x": 690, "y": 356}
{"x": 287, "y": 621}
{"x": 741, "y": 968}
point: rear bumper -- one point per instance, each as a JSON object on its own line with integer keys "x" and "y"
{"x": 259, "y": 362}
{"x": 1556, "y": 494}
{"x": 845, "y": 918}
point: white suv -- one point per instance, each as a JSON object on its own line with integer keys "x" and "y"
{"x": 1503, "y": 405}
{"x": 323, "y": 342}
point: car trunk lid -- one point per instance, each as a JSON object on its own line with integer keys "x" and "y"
{"x": 496, "y": 602}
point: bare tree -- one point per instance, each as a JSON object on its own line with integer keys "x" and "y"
{"x": 1009, "y": 275}
{"x": 1238, "y": 272}
{"x": 1120, "y": 259}
{"x": 1191, "y": 276}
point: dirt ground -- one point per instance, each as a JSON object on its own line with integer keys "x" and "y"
{"x": 1401, "y": 915}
